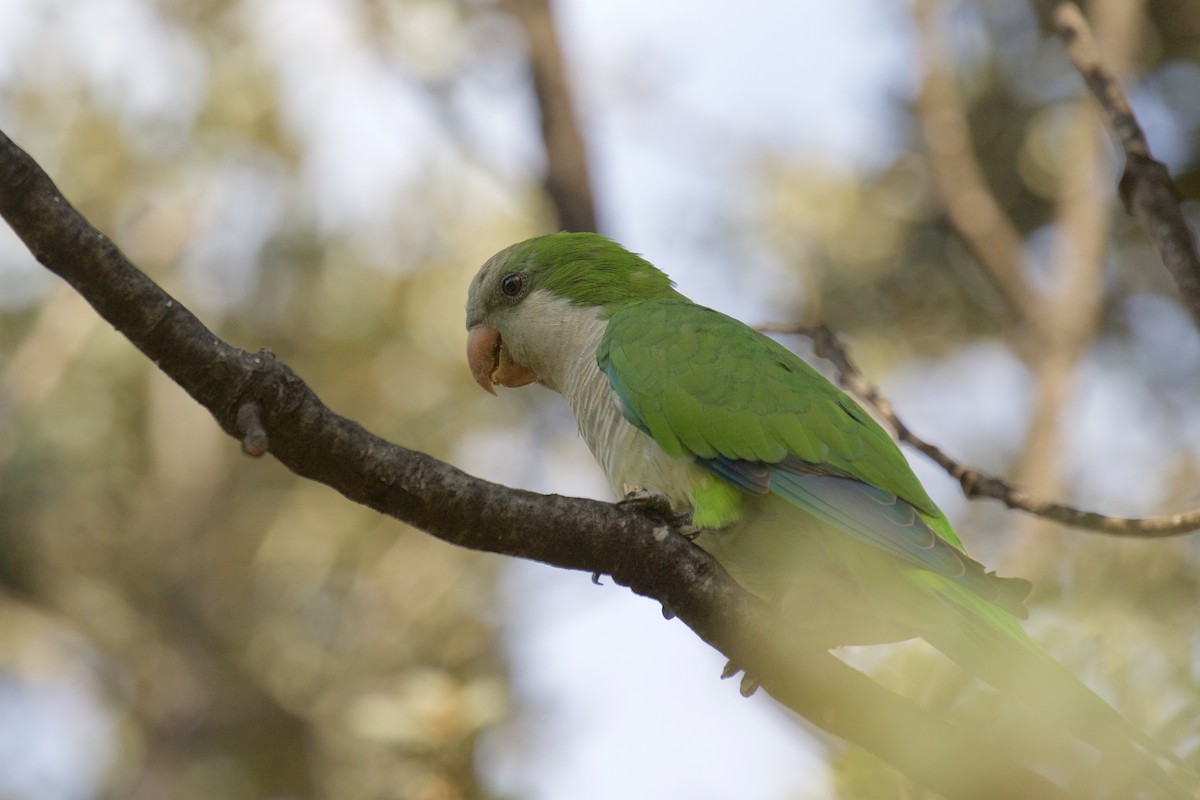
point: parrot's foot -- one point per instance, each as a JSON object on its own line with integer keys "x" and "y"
{"x": 667, "y": 612}
{"x": 657, "y": 503}
{"x": 748, "y": 686}
{"x": 644, "y": 498}
{"x": 596, "y": 579}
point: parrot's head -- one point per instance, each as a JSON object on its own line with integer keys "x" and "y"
{"x": 532, "y": 304}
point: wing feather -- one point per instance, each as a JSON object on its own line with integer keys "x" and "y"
{"x": 759, "y": 418}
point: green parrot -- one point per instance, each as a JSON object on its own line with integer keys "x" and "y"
{"x": 799, "y": 494}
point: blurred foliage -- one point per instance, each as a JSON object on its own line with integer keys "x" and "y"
{"x": 237, "y": 632}
{"x": 244, "y": 633}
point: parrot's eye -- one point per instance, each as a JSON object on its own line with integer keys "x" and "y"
{"x": 512, "y": 284}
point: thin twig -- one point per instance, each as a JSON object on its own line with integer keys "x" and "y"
{"x": 976, "y": 483}
{"x": 1145, "y": 187}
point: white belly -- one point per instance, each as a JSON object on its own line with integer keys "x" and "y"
{"x": 628, "y": 456}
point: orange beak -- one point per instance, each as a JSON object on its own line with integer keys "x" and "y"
{"x": 490, "y": 363}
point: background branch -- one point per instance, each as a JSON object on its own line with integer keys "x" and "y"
{"x": 969, "y": 201}
{"x": 1145, "y": 187}
{"x": 262, "y": 403}
{"x": 568, "y": 180}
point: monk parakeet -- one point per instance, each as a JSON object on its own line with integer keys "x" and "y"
{"x": 803, "y": 498}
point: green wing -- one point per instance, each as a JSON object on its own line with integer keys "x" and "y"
{"x": 705, "y": 385}
{"x": 709, "y": 388}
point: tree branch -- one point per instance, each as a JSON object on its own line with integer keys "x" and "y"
{"x": 262, "y": 403}
{"x": 976, "y": 483}
{"x": 1145, "y": 187}
{"x": 969, "y": 201}
{"x": 568, "y": 180}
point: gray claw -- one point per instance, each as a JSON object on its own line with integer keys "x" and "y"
{"x": 658, "y": 504}
{"x": 748, "y": 685}
{"x": 652, "y": 501}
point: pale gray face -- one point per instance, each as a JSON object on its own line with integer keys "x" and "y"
{"x": 492, "y": 300}
{"x": 502, "y": 282}
{"x": 530, "y": 305}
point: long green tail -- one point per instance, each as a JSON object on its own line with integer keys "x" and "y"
{"x": 991, "y": 644}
